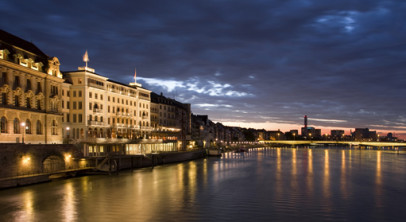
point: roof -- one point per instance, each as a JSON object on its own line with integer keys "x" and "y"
{"x": 21, "y": 43}
{"x": 160, "y": 99}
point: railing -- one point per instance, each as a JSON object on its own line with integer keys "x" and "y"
{"x": 95, "y": 123}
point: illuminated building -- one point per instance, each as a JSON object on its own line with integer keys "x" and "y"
{"x": 337, "y": 134}
{"x": 310, "y": 132}
{"x": 30, "y": 88}
{"x": 170, "y": 119}
{"x": 99, "y": 111}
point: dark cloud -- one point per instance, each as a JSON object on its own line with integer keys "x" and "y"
{"x": 337, "y": 60}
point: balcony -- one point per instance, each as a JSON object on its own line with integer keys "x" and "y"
{"x": 95, "y": 110}
{"x": 95, "y": 123}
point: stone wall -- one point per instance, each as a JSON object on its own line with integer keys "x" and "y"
{"x": 27, "y": 159}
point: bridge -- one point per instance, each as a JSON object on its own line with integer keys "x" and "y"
{"x": 321, "y": 142}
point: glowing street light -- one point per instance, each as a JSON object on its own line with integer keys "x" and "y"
{"x": 23, "y": 126}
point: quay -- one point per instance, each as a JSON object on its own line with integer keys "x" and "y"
{"x": 24, "y": 164}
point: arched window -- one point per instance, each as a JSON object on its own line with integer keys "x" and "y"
{"x": 39, "y": 127}
{"x": 27, "y": 126}
{"x": 3, "y": 125}
{"x": 54, "y": 128}
{"x": 16, "y": 126}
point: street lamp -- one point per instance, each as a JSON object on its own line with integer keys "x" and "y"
{"x": 67, "y": 132}
{"x": 294, "y": 136}
{"x": 23, "y": 126}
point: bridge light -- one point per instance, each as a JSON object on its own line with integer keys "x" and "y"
{"x": 26, "y": 160}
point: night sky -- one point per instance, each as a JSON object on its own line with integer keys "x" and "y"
{"x": 262, "y": 64}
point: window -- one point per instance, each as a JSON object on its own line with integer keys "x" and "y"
{"x": 27, "y": 126}
{"x": 101, "y": 97}
{"x": 28, "y": 86}
{"x": 54, "y": 129}
{"x": 90, "y": 106}
{"x": 63, "y": 104}
{"x": 80, "y": 118}
{"x": 39, "y": 89}
{"x": 3, "y": 79}
{"x": 90, "y": 117}
{"x": 63, "y": 92}
{"x": 28, "y": 102}
{"x": 68, "y": 93}
{"x": 39, "y": 127}
{"x": 108, "y": 109}
{"x": 3, "y": 125}
{"x": 68, "y": 105}
{"x": 38, "y": 104}
{"x": 16, "y": 82}
{"x": 4, "y": 98}
{"x": 74, "y": 105}
{"x": 16, "y": 126}
{"x": 80, "y": 105}
{"x": 16, "y": 101}
{"x": 74, "y": 93}
{"x": 54, "y": 91}
{"x": 90, "y": 94}
{"x": 67, "y": 118}
{"x": 95, "y": 95}
{"x": 80, "y": 93}
{"x": 74, "y": 118}
{"x": 108, "y": 98}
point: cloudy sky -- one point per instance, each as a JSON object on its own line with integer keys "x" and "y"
{"x": 263, "y": 63}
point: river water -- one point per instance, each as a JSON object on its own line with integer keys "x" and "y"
{"x": 266, "y": 184}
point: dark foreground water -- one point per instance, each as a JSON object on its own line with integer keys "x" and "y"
{"x": 271, "y": 184}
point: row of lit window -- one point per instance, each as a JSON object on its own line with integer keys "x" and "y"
{"x": 27, "y": 126}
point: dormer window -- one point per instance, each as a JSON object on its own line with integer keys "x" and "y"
{"x": 4, "y": 53}
{"x": 34, "y": 66}
{"x": 23, "y": 62}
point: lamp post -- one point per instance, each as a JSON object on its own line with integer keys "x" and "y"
{"x": 294, "y": 136}
{"x": 67, "y": 133}
{"x": 23, "y": 126}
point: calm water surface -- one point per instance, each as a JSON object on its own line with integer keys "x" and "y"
{"x": 270, "y": 184}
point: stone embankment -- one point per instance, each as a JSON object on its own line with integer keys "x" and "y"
{"x": 24, "y": 164}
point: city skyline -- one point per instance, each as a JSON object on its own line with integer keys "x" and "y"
{"x": 256, "y": 64}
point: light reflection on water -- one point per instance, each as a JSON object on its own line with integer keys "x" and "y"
{"x": 276, "y": 184}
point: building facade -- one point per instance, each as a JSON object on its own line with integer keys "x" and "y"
{"x": 30, "y": 88}
{"x": 171, "y": 120}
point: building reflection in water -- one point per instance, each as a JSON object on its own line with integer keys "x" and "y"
{"x": 69, "y": 204}
{"x": 326, "y": 177}
{"x": 293, "y": 181}
{"x": 310, "y": 170}
{"x": 378, "y": 179}
{"x": 279, "y": 180}
{"x": 27, "y": 212}
{"x": 343, "y": 179}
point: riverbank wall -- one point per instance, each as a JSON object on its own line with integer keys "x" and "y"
{"x": 25, "y": 164}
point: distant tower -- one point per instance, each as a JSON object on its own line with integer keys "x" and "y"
{"x": 305, "y": 121}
